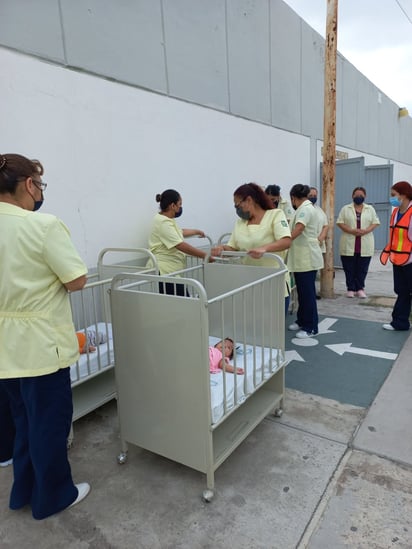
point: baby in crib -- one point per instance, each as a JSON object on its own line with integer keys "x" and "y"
{"x": 88, "y": 341}
{"x": 216, "y": 360}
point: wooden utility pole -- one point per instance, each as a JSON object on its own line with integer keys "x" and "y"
{"x": 329, "y": 142}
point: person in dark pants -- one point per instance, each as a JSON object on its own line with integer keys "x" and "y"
{"x": 166, "y": 241}
{"x": 357, "y": 222}
{"x": 39, "y": 265}
{"x": 7, "y": 429}
{"x": 399, "y": 252}
{"x": 304, "y": 260}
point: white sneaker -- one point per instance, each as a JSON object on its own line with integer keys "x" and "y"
{"x": 388, "y": 327}
{"x": 349, "y": 293}
{"x": 303, "y": 335}
{"x": 83, "y": 489}
{"x": 5, "y": 463}
{"x": 361, "y": 294}
{"x": 294, "y": 327}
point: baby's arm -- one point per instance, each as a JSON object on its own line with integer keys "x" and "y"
{"x": 229, "y": 368}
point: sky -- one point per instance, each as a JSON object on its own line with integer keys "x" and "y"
{"x": 375, "y": 36}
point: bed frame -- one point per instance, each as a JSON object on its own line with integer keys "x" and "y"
{"x": 93, "y": 382}
{"x": 162, "y": 360}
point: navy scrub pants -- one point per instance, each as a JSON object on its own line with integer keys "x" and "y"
{"x": 42, "y": 410}
{"x": 402, "y": 282}
{"x": 307, "y": 313}
{"x": 356, "y": 268}
{"x": 7, "y": 430}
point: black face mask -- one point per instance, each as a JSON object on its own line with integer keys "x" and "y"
{"x": 179, "y": 212}
{"x": 313, "y": 199}
{"x": 242, "y": 214}
{"x": 275, "y": 203}
{"x": 358, "y": 200}
{"x": 37, "y": 205}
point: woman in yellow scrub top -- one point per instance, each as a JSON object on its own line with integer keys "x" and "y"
{"x": 260, "y": 229}
{"x": 166, "y": 240}
{"x": 39, "y": 265}
{"x": 304, "y": 260}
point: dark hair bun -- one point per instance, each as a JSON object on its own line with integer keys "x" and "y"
{"x": 158, "y": 197}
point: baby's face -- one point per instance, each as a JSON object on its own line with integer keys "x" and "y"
{"x": 228, "y": 348}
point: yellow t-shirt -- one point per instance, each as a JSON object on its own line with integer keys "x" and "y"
{"x": 165, "y": 235}
{"x": 305, "y": 253}
{"x": 37, "y": 335}
{"x": 272, "y": 227}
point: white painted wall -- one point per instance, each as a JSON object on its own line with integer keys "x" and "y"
{"x": 109, "y": 148}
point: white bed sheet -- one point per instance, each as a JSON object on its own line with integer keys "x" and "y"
{"x": 244, "y": 359}
{"x": 89, "y": 364}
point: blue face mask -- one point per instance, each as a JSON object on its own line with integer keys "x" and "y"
{"x": 179, "y": 212}
{"x": 242, "y": 214}
{"x": 313, "y": 199}
{"x": 394, "y": 201}
{"x": 359, "y": 200}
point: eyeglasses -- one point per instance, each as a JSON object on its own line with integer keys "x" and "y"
{"x": 40, "y": 185}
{"x": 239, "y": 203}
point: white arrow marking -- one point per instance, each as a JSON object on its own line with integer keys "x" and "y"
{"x": 293, "y": 355}
{"x": 325, "y": 324}
{"x": 341, "y": 348}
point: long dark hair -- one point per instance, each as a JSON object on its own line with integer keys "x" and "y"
{"x": 14, "y": 168}
{"x": 256, "y": 193}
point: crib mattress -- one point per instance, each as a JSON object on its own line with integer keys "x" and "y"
{"x": 266, "y": 361}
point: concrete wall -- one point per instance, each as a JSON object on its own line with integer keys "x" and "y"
{"x": 109, "y": 148}
{"x": 252, "y": 58}
{"x": 238, "y": 98}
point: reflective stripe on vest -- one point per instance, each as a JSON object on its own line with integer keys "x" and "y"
{"x": 399, "y": 248}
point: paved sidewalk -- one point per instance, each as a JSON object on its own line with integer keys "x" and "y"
{"x": 325, "y": 475}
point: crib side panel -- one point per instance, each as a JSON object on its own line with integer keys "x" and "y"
{"x": 162, "y": 374}
{"x": 254, "y": 315}
{"x": 92, "y": 375}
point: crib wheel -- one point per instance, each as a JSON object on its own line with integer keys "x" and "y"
{"x": 278, "y": 412}
{"x": 207, "y": 495}
{"x": 122, "y": 458}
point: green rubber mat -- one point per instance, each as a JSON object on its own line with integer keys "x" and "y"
{"x": 347, "y": 361}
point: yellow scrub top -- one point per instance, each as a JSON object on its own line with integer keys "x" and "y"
{"x": 322, "y": 221}
{"x": 272, "y": 227}
{"x": 286, "y": 208}
{"x": 305, "y": 253}
{"x": 37, "y": 335}
{"x": 165, "y": 235}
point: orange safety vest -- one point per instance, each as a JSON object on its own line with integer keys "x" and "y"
{"x": 399, "y": 248}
